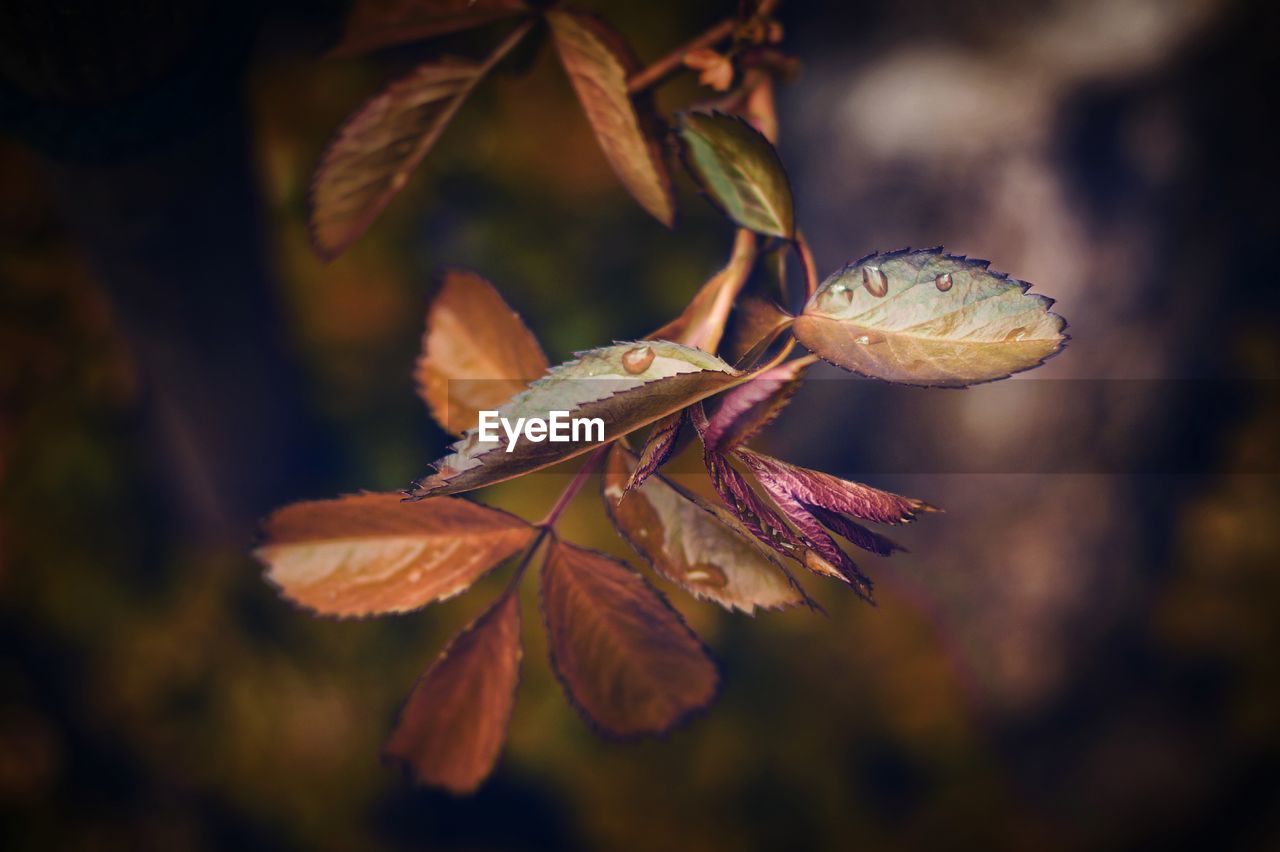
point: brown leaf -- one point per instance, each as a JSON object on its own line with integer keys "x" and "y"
{"x": 702, "y": 322}
{"x": 453, "y": 726}
{"x": 756, "y": 325}
{"x": 369, "y": 554}
{"x": 657, "y": 448}
{"x": 476, "y": 352}
{"x": 695, "y": 545}
{"x": 626, "y": 386}
{"x": 374, "y": 24}
{"x": 626, "y": 659}
{"x": 370, "y": 159}
{"x": 598, "y": 62}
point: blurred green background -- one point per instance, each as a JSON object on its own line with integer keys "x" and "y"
{"x": 1082, "y": 653}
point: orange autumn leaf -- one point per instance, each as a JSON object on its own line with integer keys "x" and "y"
{"x": 370, "y": 554}
{"x": 598, "y": 62}
{"x": 453, "y": 726}
{"x": 715, "y": 69}
{"x": 626, "y": 659}
{"x": 476, "y": 352}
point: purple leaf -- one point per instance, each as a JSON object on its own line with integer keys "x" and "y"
{"x": 813, "y": 488}
{"x": 750, "y": 407}
{"x": 856, "y": 533}
{"x": 658, "y": 447}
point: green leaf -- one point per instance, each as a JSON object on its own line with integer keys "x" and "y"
{"x": 627, "y": 385}
{"x": 929, "y": 318}
{"x": 739, "y": 170}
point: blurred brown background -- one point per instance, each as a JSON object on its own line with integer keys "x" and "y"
{"x": 1082, "y": 653}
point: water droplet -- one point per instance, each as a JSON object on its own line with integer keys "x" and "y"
{"x": 839, "y": 294}
{"x": 869, "y": 339}
{"x": 943, "y": 282}
{"x": 706, "y": 574}
{"x": 874, "y": 280}
{"x": 415, "y": 576}
{"x": 1017, "y": 334}
{"x": 637, "y": 360}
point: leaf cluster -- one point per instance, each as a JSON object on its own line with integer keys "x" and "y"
{"x": 625, "y": 657}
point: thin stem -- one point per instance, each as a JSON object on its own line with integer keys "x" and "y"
{"x": 546, "y": 526}
{"x": 579, "y": 479}
{"x": 806, "y": 263}
{"x": 659, "y": 71}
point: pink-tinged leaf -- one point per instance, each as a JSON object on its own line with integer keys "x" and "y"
{"x": 375, "y": 24}
{"x": 751, "y": 406}
{"x": 371, "y": 554}
{"x": 657, "y": 449}
{"x": 820, "y": 553}
{"x": 452, "y": 728}
{"x": 476, "y": 352}
{"x": 697, "y": 546}
{"x": 814, "y": 488}
{"x": 745, "y": 505}
{"x": 598, "y": 62}
{"x": 625, "y": 658}
{"x": 702, "y": 322}
{"x": 856, "y": 533}
{"x": 383, "y": 142}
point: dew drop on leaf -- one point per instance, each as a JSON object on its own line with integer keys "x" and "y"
{"x": 873, "y": 278}
{"x": 869, "y": 339}
{"x": 637, "y": 360}
{"x": 706, "y": 574}
{"x": 943, "y": 282}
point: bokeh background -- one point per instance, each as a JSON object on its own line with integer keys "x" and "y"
{"x": 1082, "y": 653}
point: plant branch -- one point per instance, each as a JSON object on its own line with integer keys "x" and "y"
{"x": 807, "y": 264}
{"x": 546, "y": 526}
{"x": 657, "y": 72}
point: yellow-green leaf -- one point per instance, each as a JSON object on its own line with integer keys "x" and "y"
{"x": 739, "y": 171}
{"x": 929, "y": 318}
{"x": 627, "y": 386}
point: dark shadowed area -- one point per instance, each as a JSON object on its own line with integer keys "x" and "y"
{"x": 1081, "y": 653}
